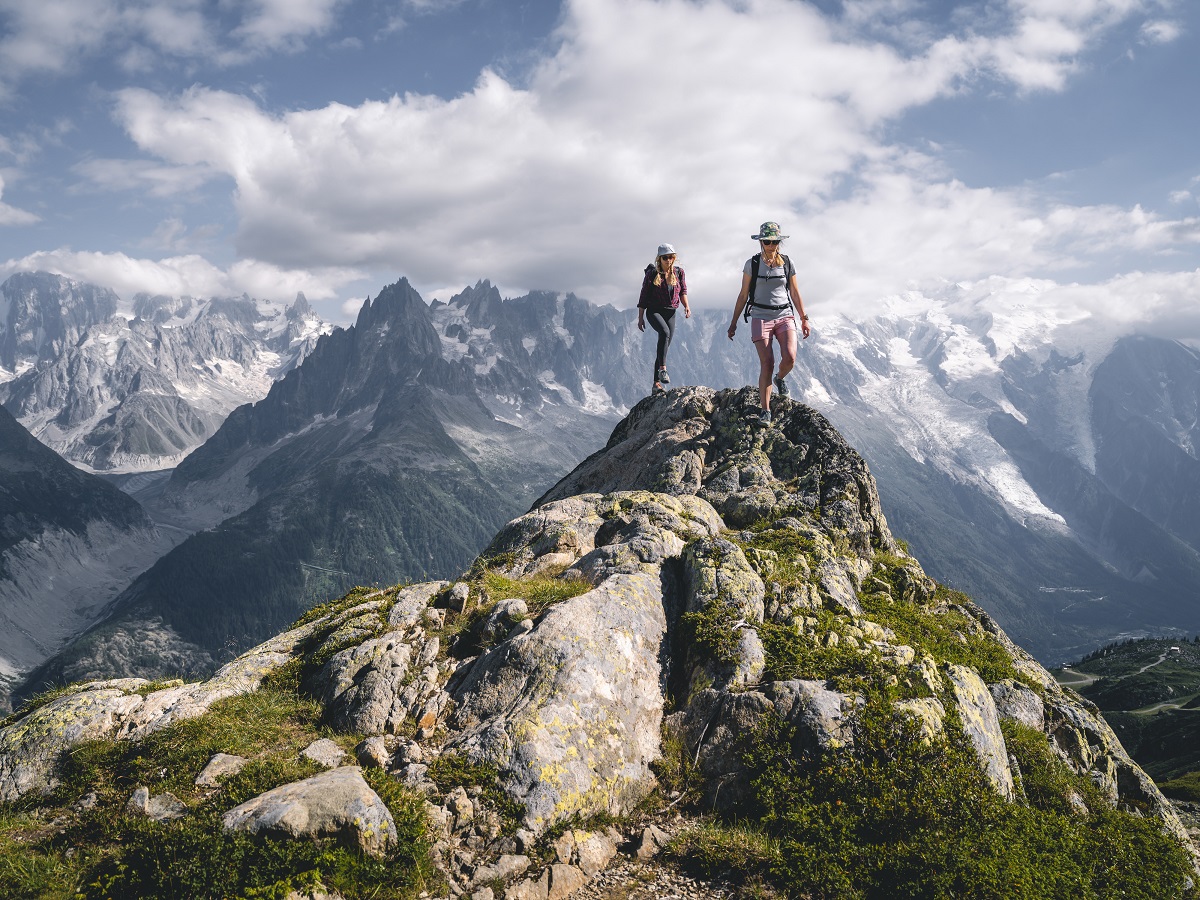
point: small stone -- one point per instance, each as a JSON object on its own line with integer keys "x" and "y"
{"x": 410, "y": 752}
{"x": 435, "y": 618}
{"x": 139, "y": 800}
{"x": 595, "y": 852}
{"x": 165, "y": 806}
{"x": 373, "y": 753}
{"x": 564, "y": 880}
{"x": 86, "y": 802}
{"x": 525, "y": 839}
{"x": 459, "y": 597}
{"x": 506, "y": 868}
{"x": 161, "y": 808}
{"x": 413, "y": 774}
{"x": 324, "y": 752}
{"x": 220, "y": 766}
{"x": 649, "y": 847}
{"x": 484, "y": 894}
{"x": 564, "y": 847}
{"x": 530, "y": 889}
{"x": 523, "y": 627}
{"x": 460, "y": 804}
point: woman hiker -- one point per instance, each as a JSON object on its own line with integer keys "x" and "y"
{"x": 664, "y": 290}
{"x": 772, "y": 303}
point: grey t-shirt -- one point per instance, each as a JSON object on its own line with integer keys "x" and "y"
{"x": 772, "y": 291}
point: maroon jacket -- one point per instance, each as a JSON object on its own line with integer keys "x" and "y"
{"x": 661, "y": 296}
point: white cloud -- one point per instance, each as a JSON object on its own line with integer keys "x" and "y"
{"x": 185, "y": 275}
{"x": 135, "y": 174}
{"x": 620, "y": 140}
{"x": 10, "y": 215}
{"x": 1161, "y": 32}
{"x": 56, "y": 36}
{"x": 283, "y": 24}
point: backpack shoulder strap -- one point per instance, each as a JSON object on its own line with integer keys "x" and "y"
{"x": 754, "y": 263}
{"x": 788, "y": 271}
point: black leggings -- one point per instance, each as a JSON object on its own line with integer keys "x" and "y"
{"x": 662, "y": 321}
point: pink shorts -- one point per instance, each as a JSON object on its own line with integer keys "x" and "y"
{"x": 762, "y": 329}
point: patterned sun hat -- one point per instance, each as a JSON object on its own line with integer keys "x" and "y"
{"x": 769, "y": 231}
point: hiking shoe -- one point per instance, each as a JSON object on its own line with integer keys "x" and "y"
{"x": 764, "y": 417}
{"x": 781, "y": 387}
{"x": 662, "y": 375}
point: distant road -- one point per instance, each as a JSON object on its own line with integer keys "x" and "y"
{"x": 1072, "y": 679}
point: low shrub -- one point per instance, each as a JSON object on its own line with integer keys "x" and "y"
{"x": 899, "y": 817}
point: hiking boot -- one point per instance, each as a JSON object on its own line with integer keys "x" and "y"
{"x": 764, "y": 417}
{"x": 781, "y": 387}
{"x": 662, "y": 375}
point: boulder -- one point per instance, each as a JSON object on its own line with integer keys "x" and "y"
{"x": 220, "y": 766}
{"x": 564, "y": 881}
{"x": 362, "y": 685}
{"x": 1020, "y": 703}
{"x": 337, "y": 803}
{"x": 161, "y": 807}
{"x": 982, "y": 725}
{"x": 570, "y": 714}
{"x": 692, "y": 441}
{"x": 506, "y": 868}
{"x": 928, "y": 713}
{"x": 324, "y": 752}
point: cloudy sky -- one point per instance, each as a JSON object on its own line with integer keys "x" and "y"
{"x": 331, "y": 146}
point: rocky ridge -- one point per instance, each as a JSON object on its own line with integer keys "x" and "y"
{"x": 698, "y": 582}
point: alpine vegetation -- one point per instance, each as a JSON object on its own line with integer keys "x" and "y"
{"x": 703, "y": 645}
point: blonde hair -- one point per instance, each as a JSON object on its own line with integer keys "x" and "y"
{"x": 658, "y": 271}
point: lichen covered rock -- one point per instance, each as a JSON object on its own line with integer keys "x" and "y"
{"x": 337, "y": 803}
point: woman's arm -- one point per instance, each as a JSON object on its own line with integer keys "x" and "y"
{"x": 687, "y": 310}
{"x": 742, "y": 297}
{"x": 795, "y": 292}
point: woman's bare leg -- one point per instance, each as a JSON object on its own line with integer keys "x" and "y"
{"x": 766, "y": 363}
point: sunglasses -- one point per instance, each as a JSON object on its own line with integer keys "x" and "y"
{"x": 771, "y": 243}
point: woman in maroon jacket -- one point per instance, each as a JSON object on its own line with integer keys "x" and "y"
{"x": 664, "y": 290}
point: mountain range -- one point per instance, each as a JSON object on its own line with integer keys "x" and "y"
{"x": 117, "y": 387}
{"x": 1041, "y": 467}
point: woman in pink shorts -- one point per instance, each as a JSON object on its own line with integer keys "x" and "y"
{"x": 771, "y": 301}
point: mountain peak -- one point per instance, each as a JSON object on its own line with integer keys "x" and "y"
{"x": 299, "y": 308}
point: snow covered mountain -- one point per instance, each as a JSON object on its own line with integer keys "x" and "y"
{"x": 134, "y": 388}
{"x": 1029, "y": 458}
{"x": 378, "y": 459}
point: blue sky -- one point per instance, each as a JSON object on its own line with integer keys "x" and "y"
{"x": 330, "y": 146}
